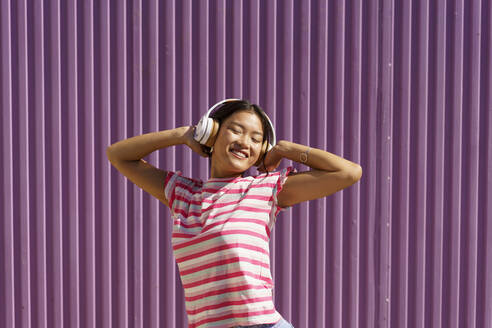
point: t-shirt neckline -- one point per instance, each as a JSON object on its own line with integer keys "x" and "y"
{"x": 224, "y": 179}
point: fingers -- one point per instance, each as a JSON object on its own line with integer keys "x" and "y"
{"x": 202, "y": 152}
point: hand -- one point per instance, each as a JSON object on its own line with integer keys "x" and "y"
{"x": 192, "y": 143}
{"x": 271, "y": 161}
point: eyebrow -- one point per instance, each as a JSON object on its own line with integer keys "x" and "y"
{"x": 242, "y": 127}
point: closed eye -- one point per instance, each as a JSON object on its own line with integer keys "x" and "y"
{"x": 238, "y": 132}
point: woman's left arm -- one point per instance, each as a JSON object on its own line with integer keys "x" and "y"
{"x": 330, "y": 173}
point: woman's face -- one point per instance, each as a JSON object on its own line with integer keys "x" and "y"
{"x": 238, "y": 145}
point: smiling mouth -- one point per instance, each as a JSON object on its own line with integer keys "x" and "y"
{"x": 238, "y": 154}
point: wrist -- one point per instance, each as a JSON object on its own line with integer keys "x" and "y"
{"x": 282, "y": 147}
{"x": 293, "y": 151}
{"x": 184, "y": 133}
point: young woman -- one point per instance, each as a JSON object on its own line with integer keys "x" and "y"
{"x": 222, "y": 226}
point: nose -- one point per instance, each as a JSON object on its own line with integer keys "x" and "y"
{"x": 242, "y": 141}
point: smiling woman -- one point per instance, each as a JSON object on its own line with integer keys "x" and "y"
{"x": 222, "y": 226}
{"x": 238, "y": 145}
{"x": 244, "y": 120}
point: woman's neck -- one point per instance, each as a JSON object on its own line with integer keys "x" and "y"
{"x": 214, "y": 173}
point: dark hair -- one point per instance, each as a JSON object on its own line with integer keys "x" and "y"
{"x": 229, "y": 108}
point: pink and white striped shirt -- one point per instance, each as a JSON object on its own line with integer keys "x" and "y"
{"x": 220, "y": 239}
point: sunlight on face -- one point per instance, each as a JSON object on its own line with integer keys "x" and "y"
{"x": 238, "y": 144}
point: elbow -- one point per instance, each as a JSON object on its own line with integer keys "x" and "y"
{"x": 358, "y": 172}
{"x": 110, "y": 153}
{"x": 355, "y": 173}
{"x": 114, "y": 155}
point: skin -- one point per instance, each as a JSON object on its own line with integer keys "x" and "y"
{"x": 242, "y": 131}
{"x": 328, "y": 172}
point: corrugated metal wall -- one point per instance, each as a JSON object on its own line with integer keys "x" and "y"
{"x": 401, "y": 87}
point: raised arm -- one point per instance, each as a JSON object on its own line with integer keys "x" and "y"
{"x": 127, "y": 157}
{"x": 330, "y": 173}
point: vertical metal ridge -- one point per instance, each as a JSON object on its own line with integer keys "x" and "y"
{"x": 102, "y": 99}
{"x": 8, "y": 272}
{"x": 38, "y": 148}
{"x": 352, "y": 221}
{"x": 70, "y": 171}
{"x": 418, "y": 150}
{"x": 368, "y": 281}
{"x": 135, "y": 221}
{"x": 248, "y": 65}
{"x": 484, "y": 305}
{"x": 267, "y": 92}
{"x": 20, "y": 123}
{"x": 119, "y": 125}
{"x": 335, "y": 101}
{"x": 385, "y": 128}
{"x": 185, "y": 79}
{"x": 301, "y": 73}
{"x": 240, "y": 50}
{"x": 201, "y": 80}
{"x": 54, "y": 212}
{"x": 150, "y": 35}
{"x": 399, "y": 225}
{"x": 170, "y": 315}
{"x": 88, "y": 186}
{"x": 169, "y": 37}
{"x": 218, "y": 53}
{"x": 87, "y": 163}
{"x": 282, "y": 234}
{"x": 471, "y": 124}
{"x": 317, "y": 230}
{"x": 437, "y": 160}
{"x": 452, "y": 240}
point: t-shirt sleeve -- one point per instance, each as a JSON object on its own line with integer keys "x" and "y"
{"x": 181, "y": 192}
{"x": 282, "y": 177}
{"x": 170, "y": 186}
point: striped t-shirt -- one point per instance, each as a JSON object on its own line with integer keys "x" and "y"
{"x": 220, "y": 239}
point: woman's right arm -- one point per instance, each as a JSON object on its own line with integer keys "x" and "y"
{"x": 127, "y": 157}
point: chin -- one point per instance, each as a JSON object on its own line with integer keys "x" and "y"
{"x": 240, "y": 168}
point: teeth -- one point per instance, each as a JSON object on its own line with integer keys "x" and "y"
{"x": 238, "y": 153}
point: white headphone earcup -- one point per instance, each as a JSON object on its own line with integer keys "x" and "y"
{"x": 203, "y": 130}
{"x": 214, "y": 132}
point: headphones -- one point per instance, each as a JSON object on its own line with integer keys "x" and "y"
{"x": 207, "y": 129}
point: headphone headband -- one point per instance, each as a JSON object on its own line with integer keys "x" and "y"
{"x": 207, "y": 115}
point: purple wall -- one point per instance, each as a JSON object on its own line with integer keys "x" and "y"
{"x": 404, "y": 88}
